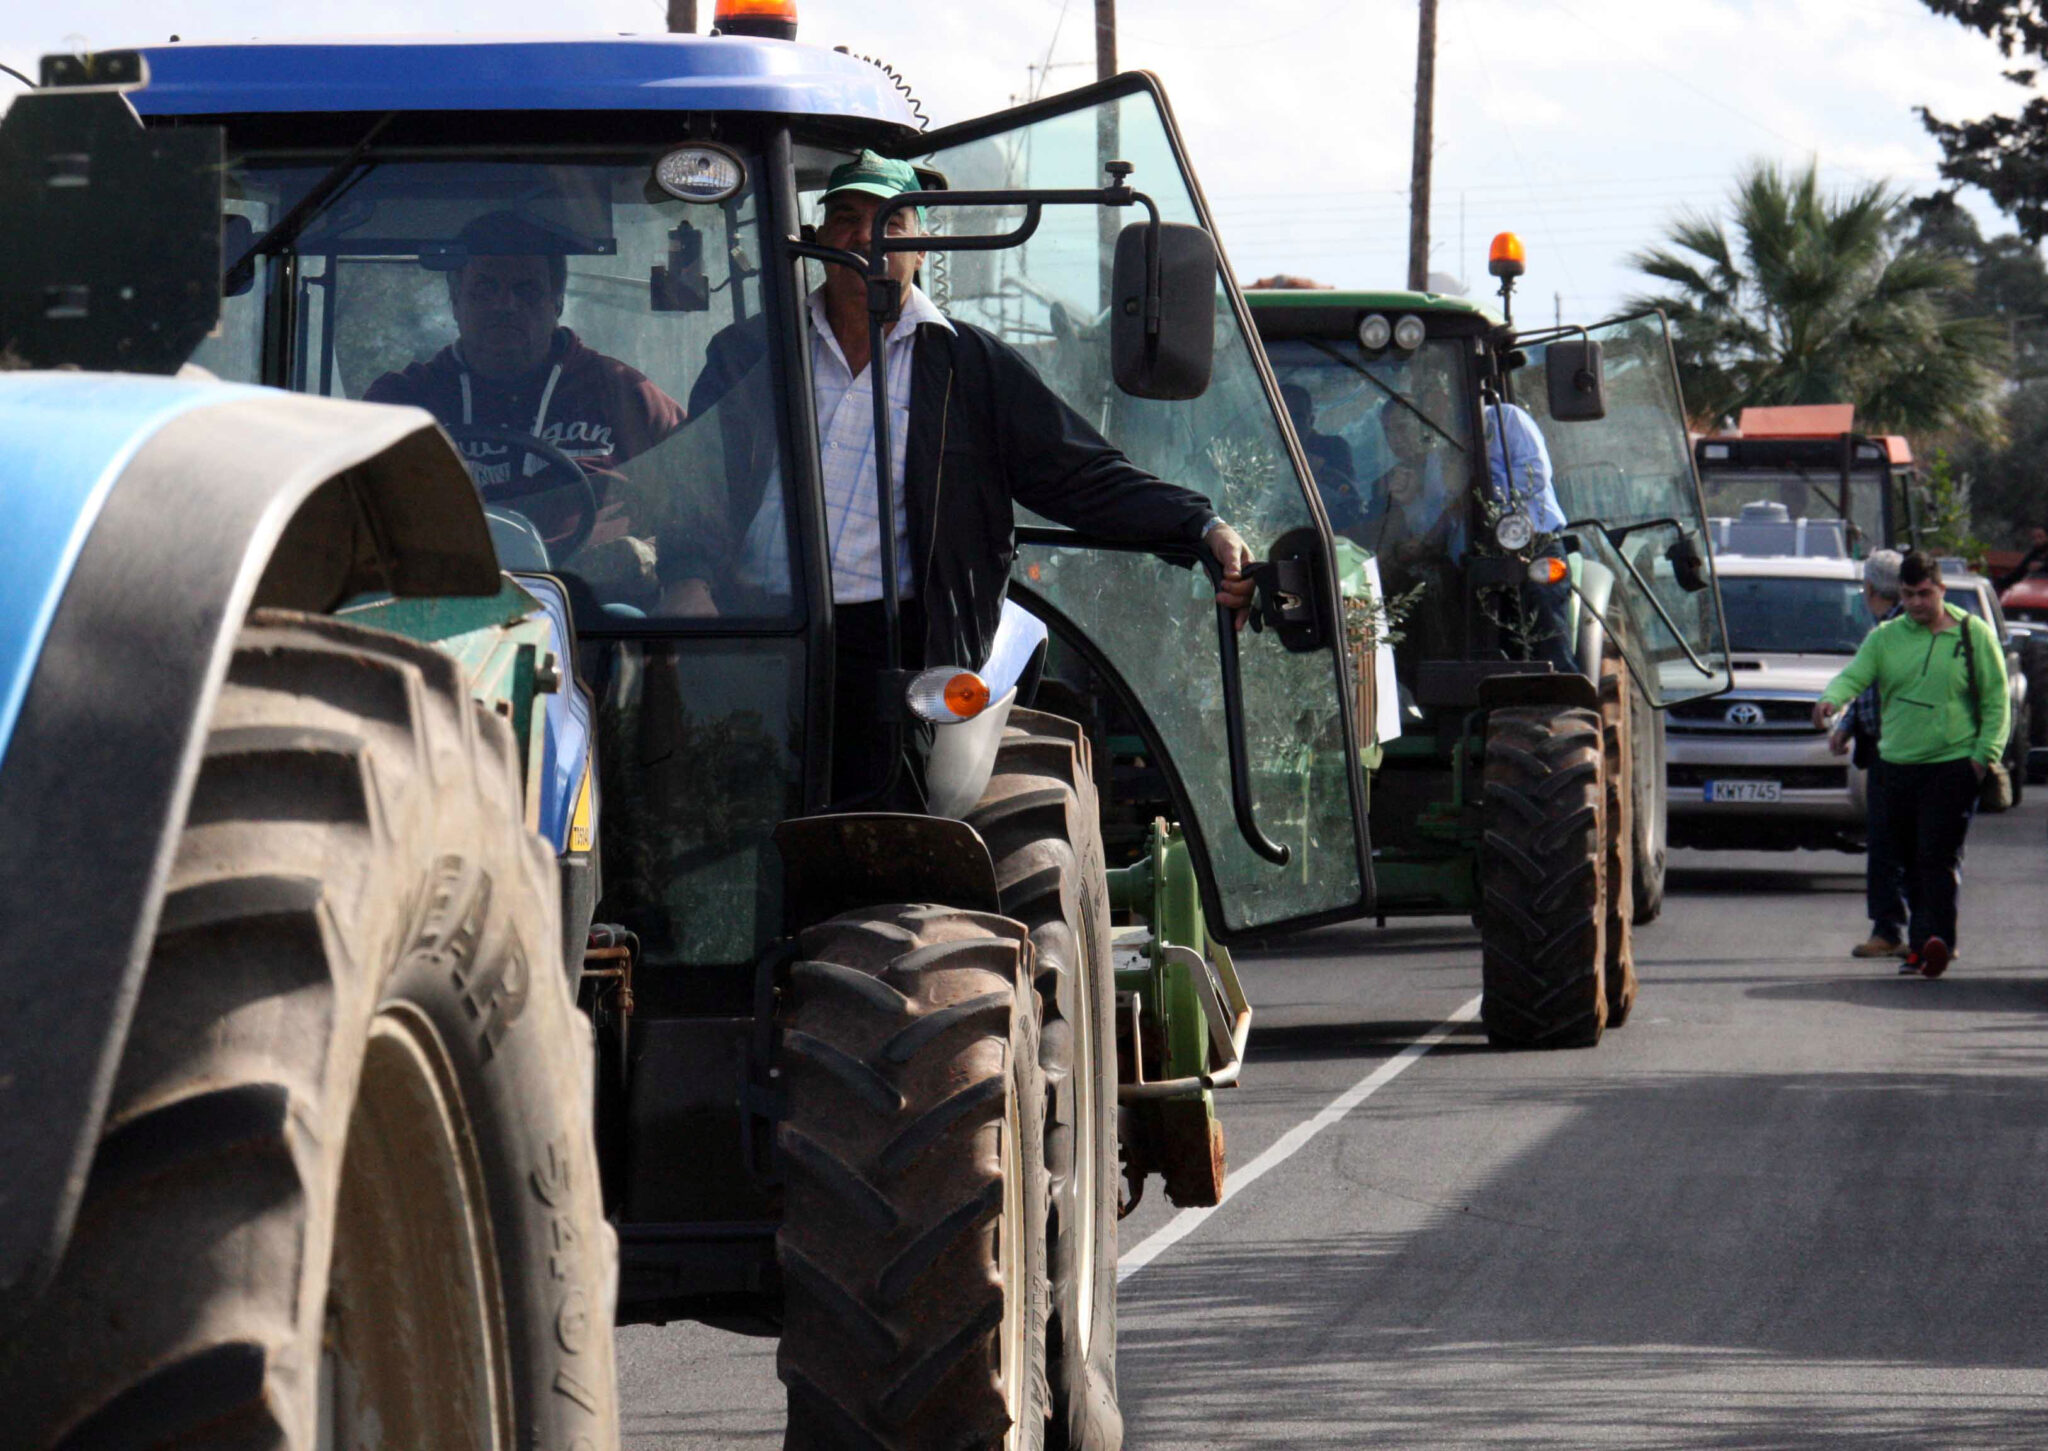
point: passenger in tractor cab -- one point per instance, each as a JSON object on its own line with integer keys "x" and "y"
{"x": 974, "y": 433}
{"x": 1329, "y": 460}
{"x": 514, "y": 369}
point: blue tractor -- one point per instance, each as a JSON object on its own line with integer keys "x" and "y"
{"x": 436, "y": 933}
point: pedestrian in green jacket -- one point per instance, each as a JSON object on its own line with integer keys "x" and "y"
{"x": 1940, "y": 678}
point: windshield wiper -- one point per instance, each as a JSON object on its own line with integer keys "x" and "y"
{"x": 287, "y": 229}
{"x": 1393, "y": 393}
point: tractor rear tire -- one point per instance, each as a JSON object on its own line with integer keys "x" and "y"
{"x": 912, "y": 1242}
{"x": 1650, "y": 823}
{"x": 346, "y": 1190}
{"x": 1542, "y": 916}
{"x": 1618, "y": 762}
{"x": 1040, "y": 818}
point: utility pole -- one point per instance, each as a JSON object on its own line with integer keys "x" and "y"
{"x": 1108, "y": 140}
{"x": 682, "y": 17}
{"x": 1418, "y": 177}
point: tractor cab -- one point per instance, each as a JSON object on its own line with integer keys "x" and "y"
{"x": 1801, "y": 480}
{"x": 597, "y": 265}
{"x": 1522, "y": 531}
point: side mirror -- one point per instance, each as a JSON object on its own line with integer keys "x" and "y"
{"x": 1162, "y": 322}
{"x": 1578, "y": 388}
{"x": 1688, "y": 565}
{"x": 681, "y": 285}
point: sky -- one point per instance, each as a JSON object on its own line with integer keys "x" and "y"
{"x": 1585, "y": 125}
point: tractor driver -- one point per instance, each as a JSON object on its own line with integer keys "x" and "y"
{"x": 975, "y": 432}
{"x": 514, "y": 367}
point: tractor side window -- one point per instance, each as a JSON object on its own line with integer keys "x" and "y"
{"x": 1155, "y": 623}
{"x": 1631, "y": 475}
{"x": 594, "y": 347}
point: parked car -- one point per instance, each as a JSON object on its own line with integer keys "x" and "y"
{"x": 1748, "y": 770}
{"x": 2025, "y": 603}
{"x": 1976, "y": 594}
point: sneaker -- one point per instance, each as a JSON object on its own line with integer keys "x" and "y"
{"x": 1878, "y": 946}
{"x": 1909, "y": 965}
{"x": 1934, "y": 957}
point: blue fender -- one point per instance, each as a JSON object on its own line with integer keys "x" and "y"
{"x": 145, "y": 518}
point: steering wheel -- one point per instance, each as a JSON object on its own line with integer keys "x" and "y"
{"x": 564, "y": 533}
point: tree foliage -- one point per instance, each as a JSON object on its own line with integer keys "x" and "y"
{"x": 2005, "y": 155}
{"x": 1812, "y": 297}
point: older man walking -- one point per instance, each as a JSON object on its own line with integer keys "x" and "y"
{"x": 1940, "y": 678}
{"x": 1856, "y": 734}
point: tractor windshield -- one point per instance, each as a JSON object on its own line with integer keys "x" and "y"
{"x": 594, "y": 346}
{"x": 1388, "y": 435}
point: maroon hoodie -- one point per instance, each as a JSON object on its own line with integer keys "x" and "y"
{"x": 595, "y": 409}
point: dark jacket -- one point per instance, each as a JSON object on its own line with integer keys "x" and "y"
{"x": 986, "y": 434}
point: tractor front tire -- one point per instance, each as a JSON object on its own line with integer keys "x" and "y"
{"x": 1618, "y": 761}
{"x": 1542, "y": 915}
{"x": 1040, "y": 818}
{"x": 346, "y": 1191}
{"x": 912, "y": 1242}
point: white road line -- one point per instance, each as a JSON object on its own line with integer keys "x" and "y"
{"x": 1290, "y": 1143}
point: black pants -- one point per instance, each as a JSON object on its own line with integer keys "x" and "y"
{"x": 860, "y": 737}
{"x": 1884, "y": 879}
{"x": 1928, "y": 810}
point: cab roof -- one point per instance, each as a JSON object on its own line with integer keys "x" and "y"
{"x": 522, "y": 73}
{"x": 1427, "y": 302}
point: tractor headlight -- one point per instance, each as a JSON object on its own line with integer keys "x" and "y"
{"x": 1374, "y": 332}
{"x": 947, "y": 695}
{"x": 1409, "y": 333}
{"x": 1513, "y": 532}
{"x": 700, "y": 173}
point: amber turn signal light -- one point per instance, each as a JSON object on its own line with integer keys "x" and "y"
{"x": 1548, "y": 570}
{"x": 947, "y": 695}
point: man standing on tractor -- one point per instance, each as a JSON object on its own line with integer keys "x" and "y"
{"x": 974, "y": 431}
{"x": 1518, "y": 471}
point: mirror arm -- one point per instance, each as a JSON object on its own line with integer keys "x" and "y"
{"x": 1614, "y": 542}
{"x": 1233, "y": 731}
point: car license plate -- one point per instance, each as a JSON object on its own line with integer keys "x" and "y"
{"x": 1743, "y": 790}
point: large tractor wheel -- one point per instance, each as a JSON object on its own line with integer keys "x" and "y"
{"x": 1039, "y": 817}
{"x": 1542, "y": 915}
{"x": 913, "y": 1233}
{"x": 1650, "y": 819}
{"x": 346, "y": 1193}
{"x": 1618, "y": 761}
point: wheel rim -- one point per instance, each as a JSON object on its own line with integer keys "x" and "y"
{"x": 1010, "y": 1255}
{"x": 414, "y": 1353}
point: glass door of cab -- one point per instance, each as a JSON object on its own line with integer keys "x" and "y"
{"x": 1631, "y": 502}
{"x": 1148, "y": 625}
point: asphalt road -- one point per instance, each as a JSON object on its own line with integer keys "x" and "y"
{"x": 1796, "y": 1201}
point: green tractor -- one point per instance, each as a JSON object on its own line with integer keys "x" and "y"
{"x": 365, "y": 752}
{"x": 1523, "y": 543}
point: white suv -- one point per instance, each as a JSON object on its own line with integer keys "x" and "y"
{"x": 1747, "y": 769}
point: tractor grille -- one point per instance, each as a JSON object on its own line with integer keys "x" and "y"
{"x": 1792, "y": 778}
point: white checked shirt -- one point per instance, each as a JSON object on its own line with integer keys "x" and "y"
{"x": 846, "y": 448}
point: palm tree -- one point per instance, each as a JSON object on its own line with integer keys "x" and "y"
{"x": 1820, "y": 298}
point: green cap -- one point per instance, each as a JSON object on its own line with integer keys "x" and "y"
{"x": 876, "y": 175}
